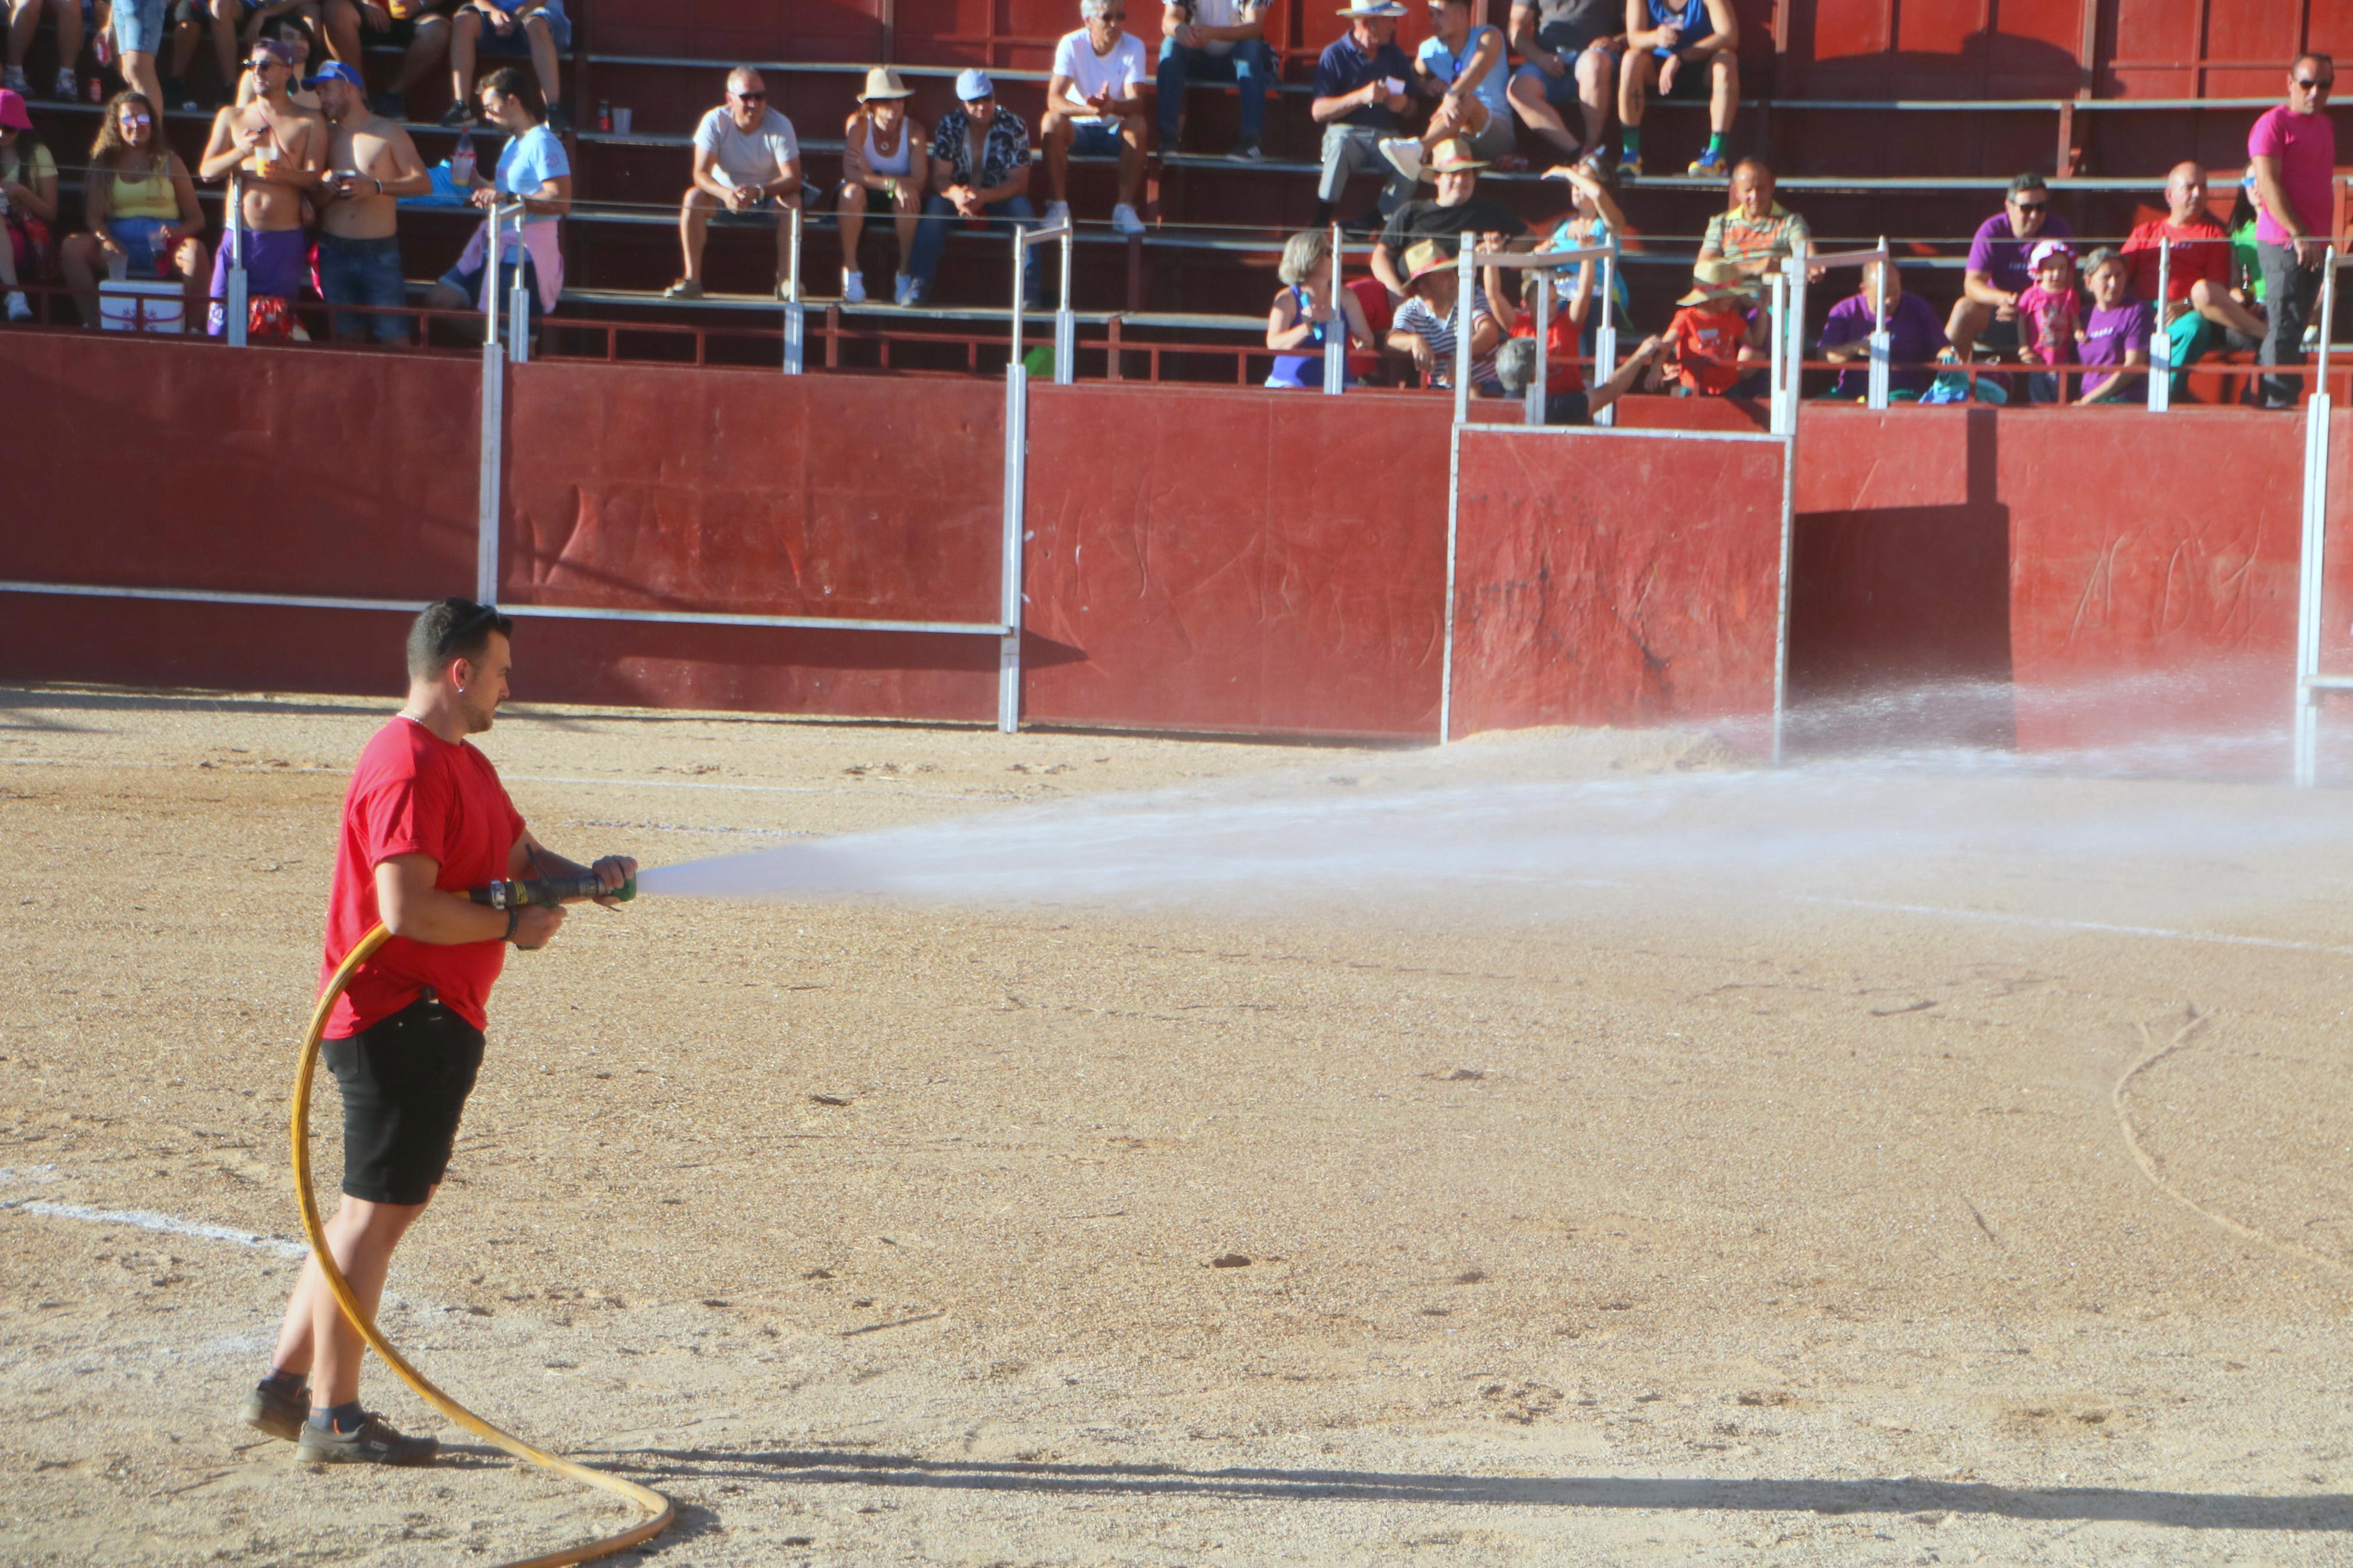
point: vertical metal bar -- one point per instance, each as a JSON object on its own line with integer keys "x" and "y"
{"x": 1535, "y": 393}
{"x": 795, "y": 311}
{"x": 488, "y": 494}
{"x": 491, "y": 289}
{"x": 1463, "y": 275}
{"x": 2312, "y": 558}
{"x": 1789, "y": 565}
{"x": 235, "y": 313}
{"x": 1446, "y": 652}
{"x": 1605, "y": 337}
{"x": 1066, "y": 323}
{"x": 1336, "y": 336}
{"x": 1776, "y": 407}
{"x": 1796, "y": 359}
{"x": 2161, "y": 341}
{"x": 1881, "y": 344}
{"x": 1016, "y": 449}
{"x": 518, "y": 298}
{"x": 1020, "y": 256}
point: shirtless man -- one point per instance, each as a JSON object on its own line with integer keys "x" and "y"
{"x": 275, "y": 148}
{"x": 370, "y": 161}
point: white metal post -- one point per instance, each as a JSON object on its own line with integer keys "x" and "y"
{"x": 2161, "y": 341}
{"x": 1605, "y": 336}
{"x": 1794, "y": 357}
{"x": 236, "y": 315}
{"x": 2314, "y": 556}
{"x": 518, "y": 295}
{"x": 1020, "y": 256}
{"x": 1881, "y": 344}
{"x": 795, "y": 312}
{"x": 1017, "y": 451}
{"x": 1462, "y": 275}
{"x": 1066, "y": 322}
{"x": 1777, "y": 405}
{"x": 1534, "y": 396}
{"x": 1336, "y": 336}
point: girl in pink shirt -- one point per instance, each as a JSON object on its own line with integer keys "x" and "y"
{"x": 2049, "y": 319}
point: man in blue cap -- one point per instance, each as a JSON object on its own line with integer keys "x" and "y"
{"x": 1360, "y": 90}
{"x": 371, "y": 164}
{"x": 981, "y": 172}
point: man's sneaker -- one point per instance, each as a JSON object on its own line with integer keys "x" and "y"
{"x": 69, "y": 85}
{"x": 279, "y": 1414}
{"x": 1404, "y": 155}
{"x": 1123, "y": 219}
{"x": 1249, "y": 151}
{"x": 1057, "y": 212}
{"x": 902, "y": 290}
{"x": 375, "y": 1443}
{"x": 853, "y": 288}
{"x": 14, "y": 78}
{"x": 918, "y": 293}
{"x": 684, "y": 288}
{"x": 456, "y": 117}
{"x": 1629, "y": 167}
{"x": 1708, "y": 166}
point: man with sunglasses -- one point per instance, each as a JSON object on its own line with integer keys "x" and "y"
{"x": 1094, "y": 107}
{"x": 425, "y": 819}
{"x": 747, "y": 169}
{"x": 2292, "y": 152}
{"x": 276, "y": 148}
{"x": 1998, "y": 270}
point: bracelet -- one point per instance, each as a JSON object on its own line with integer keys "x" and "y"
{"x": 514, "y": 918}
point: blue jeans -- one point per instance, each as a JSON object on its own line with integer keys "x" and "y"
{"x": 931, "y": 238}
{"x": 1250, "y": 67}
{"x": 363, "y": 272}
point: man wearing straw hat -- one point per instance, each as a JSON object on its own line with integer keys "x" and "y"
{"x": 1360, "y": 90}
{"x": 1458, "y": 210}
{"x": 883, "y": 160}
{"x": 746, "y": 166}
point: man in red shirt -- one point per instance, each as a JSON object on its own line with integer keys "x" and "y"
{"x": 2292, "y": 152}
{"x": 2198, "y": 294}
{"x": 425, "y": 819}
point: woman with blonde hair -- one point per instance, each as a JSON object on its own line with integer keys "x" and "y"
{"x": 1301, "y": 318}
{"x": 142, "y": 207}
{"x": 884, "y": 160}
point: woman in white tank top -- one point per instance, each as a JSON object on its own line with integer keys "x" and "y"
{"x": 884, "y": 161}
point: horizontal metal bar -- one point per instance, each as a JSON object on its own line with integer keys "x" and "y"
{"x": 1545, "y": 259}
{"x": 1048, "y": 235}
{"x": 2329, "y": 682}
{"x": 213, "y": 596}
{"x": 1621, "y": 431}
{"x": 1848, "y": 258}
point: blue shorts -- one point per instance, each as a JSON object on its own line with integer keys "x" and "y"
{"x": 517, "y": 44}
{"x": 363, "y": 272}
{"x": 143, "y": 246}
{"x": 1560, "y": 92}
{"x": 139, "y": 27}
{"x": 1095, "y": 138}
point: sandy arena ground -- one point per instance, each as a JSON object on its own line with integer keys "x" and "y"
{"x": 879, "y": 1234}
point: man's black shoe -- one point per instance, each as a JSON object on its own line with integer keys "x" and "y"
{"x": 373, "y": 1443}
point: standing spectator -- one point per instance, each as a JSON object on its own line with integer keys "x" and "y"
{"x": 2050, "y": 320}
{"x": 1914, "y": 336}
{"x": 371, "y": 165}
{"x": 980, "y": 169}
{"x": 290, "y": 31}
{"x": 1424, "y": 326}
{"x": 2115, "y": 333}
{"x": 2292, "y": 151}
{"x": 1713, "y": 333}
{"x": 1217, "y": 40}
{"x": 2198, "y": 296}
{"x": 23, "y": 21}
{"x": 533, "y": 169}
{"x": 747, "y": 169}
{"x": 1458, "y": 210}
{"x": 275, "y": 148}
{"x": 1998, "y": 270}
{"x": 1571, "y": 403}
{"x": 882, "y": 158}
{"x": 509, "y": 29}
{"x": 142, "y": 207}
{"x": 1462, "y": 66}
{"x": 1677, "y": 46}
{"x": 1360, "y": 85}
{"x": 1571, "y": 47}
{"x": 1094, "y": 107}
{"x": 1755, "y": 234}
{"x": 1300, "y": 323}
{"x": 28, "y": 199}
{"x": 138, "y": 36}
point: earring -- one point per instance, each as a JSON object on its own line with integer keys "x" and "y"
{"x": 461, "y": 692}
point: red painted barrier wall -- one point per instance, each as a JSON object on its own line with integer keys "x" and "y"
{"x": 1606, "y": 579}
{"x": 1235, "y": 560}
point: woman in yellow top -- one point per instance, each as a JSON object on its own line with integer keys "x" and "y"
{"x": 28, "y": 202}
{"x": 142, "y": 207}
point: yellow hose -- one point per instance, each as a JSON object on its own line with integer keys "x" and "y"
{"x": 659, "y": 1509}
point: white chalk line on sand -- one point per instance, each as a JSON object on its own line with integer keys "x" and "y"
{"x": 882, "y": 779}
{"x": 2057, "y": 922}
{"x": 147, "y": 1219}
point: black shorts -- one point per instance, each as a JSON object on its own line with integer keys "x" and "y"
{"x": 405, "y": 1081}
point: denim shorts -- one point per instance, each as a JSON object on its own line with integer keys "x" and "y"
{"x": 363, "y": 272}
{"x": 518, "y": 43}
{"x": 1095, "y": 138}
{"x": 139, "y": 26}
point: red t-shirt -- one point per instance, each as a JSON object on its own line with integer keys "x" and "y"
{"x": 1563, "y": 370}
{"x": 2201, "y": 248}
{"x": 413, "y": 793}
{"x": 1707, "y": 340}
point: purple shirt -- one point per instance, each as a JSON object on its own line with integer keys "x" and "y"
{"x": 1915, "y": 337}
{"x": 2108, "y": 335}
{"x": 2306, "y": 146}
{"x": 2001, "y": 255}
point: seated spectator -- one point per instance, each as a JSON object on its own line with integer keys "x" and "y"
{"x": 1217, "y": 40}
{"x": 1360, "y": 90}
{"x": 1515, "y": 372}
{"x": 1682, "y": 48}
{"x": 883, "y": 160}
{"x": 142, "y": 207}
{"x": 423, "y": 35}
{"x": 1424, "y": 325}
{"x": 1571, "y": 49}
{"x": 29, "y": 196}
{"x": 2199, "y": 299}
{"x": 2050, "y": 320}
{"x": 533, "y": 169}
{"x": 2291, "y": 154}
{"x": 1458, "y": 210}
{"x": 1094, "y": 107}
{"x": 1462, "y": 66}
{"x": 980, "y": 169}
{"x": 371, "y": 165}
{"x": 1301, "y": 319}
{"x": 1715, "y": 334}
{"x": 2115, "y": 330}
{"x": 23, "y": 21}
{"x": 747, "y": 169}
{"x": 1915, "y": 337}
{"x": 274, "y": 147}
{"x": 537, "y": 30}
{"x": 1755, "y": 233}
{"x": 1998, "y": 269}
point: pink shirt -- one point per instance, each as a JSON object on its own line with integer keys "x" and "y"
{"x": 2306, "y": 145}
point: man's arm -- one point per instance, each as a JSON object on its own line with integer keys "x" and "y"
{"x": 1483, "y": 58}
{"x": 530, "y": 858}
{"x": 410, "y": 176}
{"x": 1640, "y": 34}
{"x": 2272, "y": 192}
{"x": 706, "y": 176}
{"x": 1522, "y": 33}
{"x": 1978, "y": 285}
{"x": 1385, "y": 267}
{"x": 411, "y": 907}
{"x": 787, "y": 180}
{"x": 1725, "y": 41}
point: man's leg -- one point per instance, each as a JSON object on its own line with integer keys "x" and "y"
{"x": 187, "y": 37}
{"x": 2188, "y": 337}
{"x": 541, "y": 34}
{"x": 694, "y": 230}
{"x": 1339, "y": 162}
{"x": 227, "y": 14}
{"x": 1131, "y": 157}
{"x": 316, "y": 1339}
{"x": 931, "y": 239}
{"x": 23, "y": 21}
{"x": 1532, "y": 103}
{"x": 340, "y": 20}
{"x": 1169, "y": 82}
{"x": 1058, "y": 132}
{"x": 426, "y": 50}
{"x": 1596, "y": 85}
{"x": 1724, "y": 103}
{"x": 1256, "y": 73}
{"x": 1970, "y": 317}
{"x": 2217, "y": 306}
{"x": 2287, "y": 304}
{"x": 465, "y": 33}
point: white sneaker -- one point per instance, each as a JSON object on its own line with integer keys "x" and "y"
{"x": 14, "y": 78}
{"x": 1404, "y": 155}
{"x": 19, "y": 307}
{"x": 69, "y": 85}
{"x": 1057, "y": 211}
{"x": 902, "y": 287}
{"x": 1123, "y": 219}
{"x": 853, "y": 288}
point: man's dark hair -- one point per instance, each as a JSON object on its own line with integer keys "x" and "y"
{"x": 515, "y": 84}
{"x": 2022, "y": 183}
{"x": 452, "y": 628}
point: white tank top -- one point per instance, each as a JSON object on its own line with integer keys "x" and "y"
{"x": 898, "y": 162}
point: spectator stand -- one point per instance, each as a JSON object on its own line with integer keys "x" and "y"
{"x": 2313, "y": 683}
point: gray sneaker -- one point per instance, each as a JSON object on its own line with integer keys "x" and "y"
{"x": 279, "y": 1414}
{"x": 375, "y": 1443}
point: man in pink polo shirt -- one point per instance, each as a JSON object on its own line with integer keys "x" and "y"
{"x": 2293, "y": 152}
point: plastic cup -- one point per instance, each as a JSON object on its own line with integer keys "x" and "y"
{"x": 621, "y": 120}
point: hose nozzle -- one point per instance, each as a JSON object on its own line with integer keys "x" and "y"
{"x": 551, "y": 892}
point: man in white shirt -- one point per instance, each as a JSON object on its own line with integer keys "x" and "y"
{"x": 1094, "y": 106}
{"x": 1216, "y": 40}
{"x": 747, "y": 169}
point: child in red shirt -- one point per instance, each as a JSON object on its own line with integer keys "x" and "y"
{"x": 1712, "y": 336}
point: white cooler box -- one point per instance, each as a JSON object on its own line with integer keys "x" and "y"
{"x": 158, "y": 307}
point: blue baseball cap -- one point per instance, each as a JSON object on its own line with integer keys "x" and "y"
{"x": 336, "y": 71}
{"x": 972, "y": 85}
